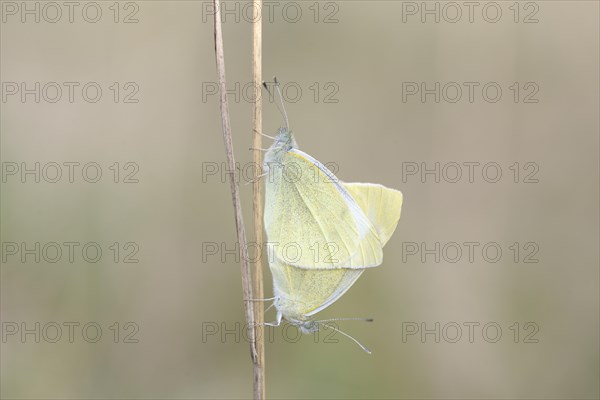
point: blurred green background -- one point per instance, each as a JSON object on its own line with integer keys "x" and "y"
{"x": 360, "y": 57}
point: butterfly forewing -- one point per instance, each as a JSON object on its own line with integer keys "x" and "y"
{"x": 312, "y": 221}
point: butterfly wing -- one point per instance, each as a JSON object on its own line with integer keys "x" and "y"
{"x": 303, "y": 292}
{"x": 380, "y": 204}
{"x": 312, "y": 221}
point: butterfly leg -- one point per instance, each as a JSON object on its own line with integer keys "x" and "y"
{"x": 277, "y": 321}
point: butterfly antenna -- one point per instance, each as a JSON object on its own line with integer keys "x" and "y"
{"x": 346, "y": 319}
{"x": 282, "y": 106}
{"x": 349, "y": 337}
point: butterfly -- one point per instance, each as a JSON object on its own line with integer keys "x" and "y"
{"x": 322, "y": 233}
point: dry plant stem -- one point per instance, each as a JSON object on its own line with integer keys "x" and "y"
{"x": 233, "y": 179}
{"x": 257, "y": 271}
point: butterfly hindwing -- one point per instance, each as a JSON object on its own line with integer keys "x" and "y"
{"x": 380, "y": 204}
{"x": 303, "y": 292}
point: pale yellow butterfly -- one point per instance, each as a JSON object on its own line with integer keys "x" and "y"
{"x": 322, "y": 233}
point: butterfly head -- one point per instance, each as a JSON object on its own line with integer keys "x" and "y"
{"x": 285, "y": 139}
{"x": 305, "y": 325}
{"x": 284, "y": 142}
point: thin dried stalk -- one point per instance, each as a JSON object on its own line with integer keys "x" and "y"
{"x": 233, "y": 179}
{"x": 257, "y": 272}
